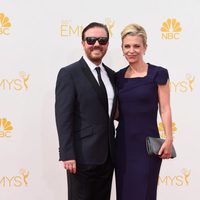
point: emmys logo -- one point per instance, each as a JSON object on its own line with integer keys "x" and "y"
{"x": 16, "y": 84}
{"x": 5, "y": 128}
{"x": 178, "y": 180}
{"x": 19, "y": 180}
{"x": 110, "y": 24}
{"x": 183, "y": 85}
{"x": 67, "y": 29}
{"x": 170, "y": 29}
{"x": 162, "y": 131}
{"x": 4, "y": 25}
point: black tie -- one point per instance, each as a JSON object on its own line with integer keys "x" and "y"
{"x": 102, "y": 87}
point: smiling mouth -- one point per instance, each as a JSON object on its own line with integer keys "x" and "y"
{"x": 131, "y": 56}
{"x": 96, "y": 50}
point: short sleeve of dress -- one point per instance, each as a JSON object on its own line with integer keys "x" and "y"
{"x": 162, "y": 76}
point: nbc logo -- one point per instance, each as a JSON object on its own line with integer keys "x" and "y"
{"x": 4, "y": 24}
{"x": 171, "y": 29}
{"x": 5, "y": 128}
{"x": 161, "y": 129}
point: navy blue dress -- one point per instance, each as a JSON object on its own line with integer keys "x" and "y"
{"x": 137, "y": 172}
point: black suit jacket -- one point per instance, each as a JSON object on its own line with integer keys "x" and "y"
{"x": 86, "y": 132}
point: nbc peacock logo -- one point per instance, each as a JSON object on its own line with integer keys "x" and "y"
{"x": 162, "y": 132}
{"x": 4, "y": 24}
{"x": 171, "y": 29}
{"x": 5, "y": 128}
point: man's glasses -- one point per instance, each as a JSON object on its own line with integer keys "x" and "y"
{"x": 92, "y": 40}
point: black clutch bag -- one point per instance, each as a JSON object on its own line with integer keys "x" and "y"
{"x": 153, "y": 146}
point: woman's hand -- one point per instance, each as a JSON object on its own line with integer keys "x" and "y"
{"x": 165, "y": 151}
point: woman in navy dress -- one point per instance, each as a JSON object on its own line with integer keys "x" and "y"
{"x": 142, "y": 89}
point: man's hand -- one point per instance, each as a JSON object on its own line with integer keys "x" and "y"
{"x": 70, "y": 165}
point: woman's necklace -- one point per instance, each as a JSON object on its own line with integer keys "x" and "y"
{"x": 134, "y": 73}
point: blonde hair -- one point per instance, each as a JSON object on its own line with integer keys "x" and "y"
{"x": 133, "y": 30}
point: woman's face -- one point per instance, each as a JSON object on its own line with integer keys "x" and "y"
{"x": 133, "y": 48}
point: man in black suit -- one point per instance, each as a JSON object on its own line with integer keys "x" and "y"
{"x": 85, "y": 107}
